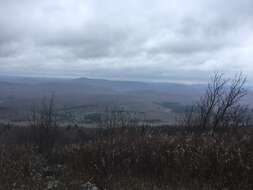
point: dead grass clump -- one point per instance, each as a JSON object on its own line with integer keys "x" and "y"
{"x": 168, "y": 161}
{"x": 20, "y": 167}
{"x": 222, "y": 161}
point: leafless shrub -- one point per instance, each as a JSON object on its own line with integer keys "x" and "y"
{"x": 217, "y": 162}
{"x": 118, "y": 117}
{"x": 116, "y": 121}
{"x": 220, "y": 105}
{"x": 43, "y": 122}
{"x": 222, "y": 161}
{"x": 20, "y": 168}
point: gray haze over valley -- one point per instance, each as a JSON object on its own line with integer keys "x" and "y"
{"x": 153, "y": 101}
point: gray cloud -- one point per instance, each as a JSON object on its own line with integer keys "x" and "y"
{"x": 142, "y": 40}
{"x": 91, "y": 42}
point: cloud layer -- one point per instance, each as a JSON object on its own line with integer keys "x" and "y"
{"x": 149, "y": 40}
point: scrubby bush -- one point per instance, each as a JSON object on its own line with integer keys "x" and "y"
{"x": 220, "y": 106}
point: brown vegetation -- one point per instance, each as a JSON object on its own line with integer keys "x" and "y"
{"x": 121, "y": 154}
{"x": 171, "y": 161}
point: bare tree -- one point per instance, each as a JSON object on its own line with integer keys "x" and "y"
{"x": 220, "y": 104}
{"x": 211, "y": 99}
{"x": 230, "y": 99}
{"x": 43, "y": 122}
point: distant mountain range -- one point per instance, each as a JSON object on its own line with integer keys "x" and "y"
{"x": 18, "y": 93}
{"x": 24, "y": 87}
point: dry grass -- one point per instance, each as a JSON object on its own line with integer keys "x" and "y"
{"x": 124, "y": 161}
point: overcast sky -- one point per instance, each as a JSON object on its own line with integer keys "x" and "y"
{"x": 147, "y": 40}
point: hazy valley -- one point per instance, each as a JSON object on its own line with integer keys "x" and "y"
{"x": 83, "y": 97}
